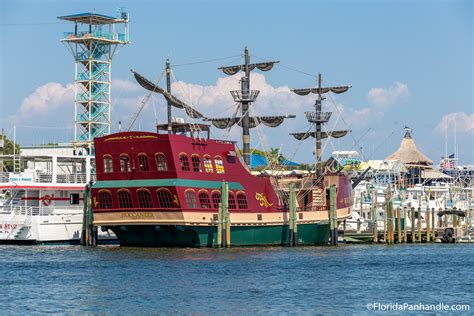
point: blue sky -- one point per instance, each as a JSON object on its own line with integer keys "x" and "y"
{"x": 409, "y": 62}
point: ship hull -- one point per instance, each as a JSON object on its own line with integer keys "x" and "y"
{"x": 206, "y": 236}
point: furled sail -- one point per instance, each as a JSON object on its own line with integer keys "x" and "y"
{"x": 270, "y": 121}
{"x": 334, "y": 134}
{"x": 307, "y": 91}
{"x": 147, "y": 84}
{"x": 232, "y": 70}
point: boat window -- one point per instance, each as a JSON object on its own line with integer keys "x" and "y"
{"x": 242, "y": 200}
{"x": 143, "y": 162}
{"x": 191, "y": 200}
{"x": 219, "y": 165}
{"x": 125, "y": 199}
{"x": 164, "y": 199}
{"x": 204, "y": 199}
{"x": 108, "y": 166}
{"x": 161, "y": 164}
{"x": 208, "y": 164}
{"x": 231, "y": 201}
{"x": 144, "y": 199}
{"x": 74, "y": 198}
{"x": 124, "y": 163}
{"x": 105, "y": 200}
{"x": 183, "y": 159}
{"x": 196, "y": 163}
{"x": 216, "y": 199}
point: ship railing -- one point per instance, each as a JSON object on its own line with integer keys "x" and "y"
{"x": 4, "y": 177}
{"x": 44, "y": 211}
{"x": 44, "y": 177}
{"x": 72, "y": 178}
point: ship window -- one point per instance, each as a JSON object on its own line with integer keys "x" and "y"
{"x": 191, "y": 200}
{"x": 196, "y": 163}
{"x": 231, "y": 201}
{"x": 161, "y": 164}
{"x": 73, "y": 198}
{"x": 143, "y": 162}
{"x": 208, "y": 164}
{"x": 242, "y": 200}
{"x": 125, "y": 199}
{"x": 108, "y": 166}
{"x": 124, "y": 163}
{"x": 219, "y": 165}
{"x": 164, "y": 199}
{"x": 105, "y": 200}
{"x": 144, "y": 199}
{"x": 204, "y": 200}
{"x": 183, "y": 159}
{"x": 216, "y": 199}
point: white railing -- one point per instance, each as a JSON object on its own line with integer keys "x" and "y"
{"x": 42, "y": 211}
{"x": 72, "y": 178}
{"x": 40, "y": 177}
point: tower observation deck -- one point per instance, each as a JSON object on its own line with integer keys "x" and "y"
{"x": 95, "y": 40}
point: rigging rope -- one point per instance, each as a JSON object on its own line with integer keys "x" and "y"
{"x": 194, "y": 126}
{"x": 205, "y": 61}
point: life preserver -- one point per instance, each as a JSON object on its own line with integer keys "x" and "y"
{"x": 46, "y": 199}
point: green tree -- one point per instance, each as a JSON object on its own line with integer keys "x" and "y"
{"x": 8, "y": 150}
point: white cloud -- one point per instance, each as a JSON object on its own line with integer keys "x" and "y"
{"x": 120, "y": 86}
{"x": 46, "y": 98}
{"x": 463, "y": 122}
{"x": 216, "y": 100}
{"x": 384, "y": 97}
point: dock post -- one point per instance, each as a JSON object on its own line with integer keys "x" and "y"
{"x": 404, "y": 224}
{"x": 374, "y": 222}
{"x": 412, "y": 217}
{"x": 385, "y": 222}
{"x": 440, "y": 219}
{"x": 221, "y": 229}
{"x": 399, "y": 225}
{"x": 333, "y": 216}
{"x": 292, "y": 220}
{"x": 419, "y": 223}
{"x": 428, "y": 229}
{"x": 84, "y": 217}
{"x": 223, "y": 238}
{"x": 226, "y": 215}
{"x": 391, "y": 227}
{"x": 433, "y": 224}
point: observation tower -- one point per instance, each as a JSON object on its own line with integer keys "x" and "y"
{"x": 93, "y": 43}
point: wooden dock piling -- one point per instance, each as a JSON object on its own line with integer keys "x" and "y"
{"x": 374, "y": 221}
{"x": 433, "y": 224}
{"x": 428, "y": 230}
{"x": 412, "y": 217}
{"x": 419, "y": 224}
{"x": 292, "y": 217}
{"x": 399, "y": 225}
{"x": 333, "y": 215}
{"x": 223, "y": 218}
{"x": 404, "y": 224}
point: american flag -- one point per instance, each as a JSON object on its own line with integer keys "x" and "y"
{"x": 448, "y": 163}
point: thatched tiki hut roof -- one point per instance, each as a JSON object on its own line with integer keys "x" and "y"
{"x": 409, "y": 154}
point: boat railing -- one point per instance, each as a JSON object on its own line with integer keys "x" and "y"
{"x": 42, "y": 211}
{"x": 72, "y": 178}
{"x": 46, "y": 177}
